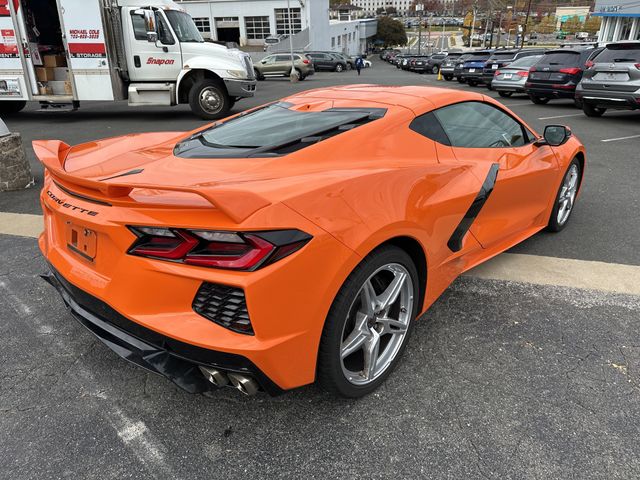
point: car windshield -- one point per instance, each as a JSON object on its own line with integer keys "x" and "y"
{"x": 526, "y": 61}
{"x": 184, "y": 27}
{"x": 271, "y": 126}
{"x": 624, "y": 53}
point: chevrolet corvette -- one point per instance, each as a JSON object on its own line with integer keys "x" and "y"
{"x": 299, "y": 241}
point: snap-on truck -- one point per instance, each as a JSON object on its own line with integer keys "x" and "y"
{"x": 61, "y": 52}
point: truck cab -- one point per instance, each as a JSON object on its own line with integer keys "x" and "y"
{"x": 149, "y": 53}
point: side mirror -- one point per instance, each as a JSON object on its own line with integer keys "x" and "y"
{"x": 152, "y": 37}
{"x": 554, "y": 135}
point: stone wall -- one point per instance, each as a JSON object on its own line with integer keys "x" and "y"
{"x": 15, "y": 171}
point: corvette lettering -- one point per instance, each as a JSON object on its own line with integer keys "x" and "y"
{"x": 68, "y": 205}
{"x": 159, "y": 61}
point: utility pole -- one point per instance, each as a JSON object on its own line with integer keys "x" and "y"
{"x": 473, "y": 24}
{"x": 419, "y": 8}
{"x": 499, "y": 31}
{"x": 486, "y": 28}
{"x": 524, "y": 28}
{"x": 293, "y": 76}
{"x": 429, "y": 35}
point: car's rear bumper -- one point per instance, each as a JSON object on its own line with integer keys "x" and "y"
{"x": 175, "y": 360}
{"x": 477, "y": 76}
{"x": 610, "y": 99}
{"x": 507, "y": 85}
{"x": 567, "y": 91}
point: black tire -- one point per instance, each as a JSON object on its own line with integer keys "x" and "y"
{"x": 219, "y": 94}
{"x": 591, "y": 111}
{"x": 460, "y": 79}
{"x": 339, "y": 67}
{"x": 554, "y": 225}
{"x": 448, "y": 78}
{"x": 489, "y": 87}
{"x": 505, "y": 94}
{"x": 10, "y": 107}
{"x": 435, "y": 69}
{"x": 472, "y": 83}
{"x": 349, "y": 67}
{"x": 329, "y": 375}
{"x": 578, "y": 103}
{"x": 301, "y": 76}
{"x": 259, "y": 76}
{"x": 539, "y": 100}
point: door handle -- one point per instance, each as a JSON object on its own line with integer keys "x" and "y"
{"x": 136, "y": 61}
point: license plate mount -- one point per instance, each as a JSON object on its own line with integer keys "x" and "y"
{"x": 82, "y": 241}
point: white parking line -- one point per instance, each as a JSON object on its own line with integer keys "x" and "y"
{"x": 562, "y": 116}
{"x": 620, "y": 138}
{"x": 536, "y": 269}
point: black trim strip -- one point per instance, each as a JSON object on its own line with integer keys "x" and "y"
{"x": 82, "y": 197}
{"x": 455, "y": 242}
{"x": 130, "y": 172}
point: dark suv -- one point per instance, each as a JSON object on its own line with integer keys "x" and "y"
{"x": 557, "y": 73}
{"x": 502, "y": 58}
{"x": 473, "y": 67}
{"x": 611, "y": 80}
{"x": 327, "y": 61}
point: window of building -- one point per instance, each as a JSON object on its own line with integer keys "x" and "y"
{"x": 286, "y": 25}
{"x": 333, "y": 42}
{"x": 257, "y": 27}
{"x": 202, "y": 24}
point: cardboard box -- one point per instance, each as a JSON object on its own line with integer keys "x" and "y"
{"x": 45, "y": 90}
{"x": 54, "y": 61}
{"x": 60, "y": 73}
{"x": 45, "y": 74}
{"x": 60, "y": 87}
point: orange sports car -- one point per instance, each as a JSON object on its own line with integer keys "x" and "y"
{"x": 298, "y": 241}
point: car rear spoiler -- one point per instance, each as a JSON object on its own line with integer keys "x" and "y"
{"x": 238, "y": 205}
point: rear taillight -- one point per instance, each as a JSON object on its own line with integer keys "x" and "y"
{"x": 532, "y": 69}
{"x": 497, "y": 72}
{"x": 523, "y": 74}
{"x": 637, "y": 65}
{"x": 217, "y": 249}
{"x": 571, "y": 71}
{"x": 589, "y": 64}
{"x": 306, "y": 62}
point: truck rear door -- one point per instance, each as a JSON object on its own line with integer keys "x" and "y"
{"x": 15, "y": 82}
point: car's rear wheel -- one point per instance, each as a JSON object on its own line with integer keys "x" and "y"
{"x": 505, "y": 94}
{"x": 591, "y": 111}
{"x": 538, "y": 100}
{"x": 448, "y": 78}
{"x": 566, "y": 197}
{"x": 369, "y": 324}
{"x": 435, "y": 69}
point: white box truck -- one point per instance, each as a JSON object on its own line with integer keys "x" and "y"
{"x": 60, "y": 52}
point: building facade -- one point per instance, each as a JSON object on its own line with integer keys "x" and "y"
{"x": 620, "y": 20}
{"x": 250, "y": 22}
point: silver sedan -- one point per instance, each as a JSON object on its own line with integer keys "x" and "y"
{"x": 511, "y": 79}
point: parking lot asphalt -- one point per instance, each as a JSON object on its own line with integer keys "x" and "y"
{"x": 501, "y": 379}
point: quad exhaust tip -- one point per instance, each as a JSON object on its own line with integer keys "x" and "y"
{"x": 246, "y": 385}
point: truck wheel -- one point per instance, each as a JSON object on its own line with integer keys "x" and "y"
{"x": 12, "y": 106}
{"x": 209, "y": 100}
{"x": 258, "y": 75}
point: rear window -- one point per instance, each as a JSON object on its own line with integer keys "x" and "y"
{"x": 625, "y": 53}
{"x": 526, "y": 61}
{"x": 478, "y": 56}
{"x": 561, "y": 58}
{"x": 271, "y": 129}
{"x": 502, "y": 55}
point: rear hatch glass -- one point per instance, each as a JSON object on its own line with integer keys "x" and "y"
{"x": 561, "y": 59}
{"x": 548, "y": 69}
{"x": 629, "y": 53}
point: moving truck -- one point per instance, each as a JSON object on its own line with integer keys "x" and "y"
{"x": 60, "y": 52}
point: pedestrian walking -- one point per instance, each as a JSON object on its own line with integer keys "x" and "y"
{"x": 359, "y": 64}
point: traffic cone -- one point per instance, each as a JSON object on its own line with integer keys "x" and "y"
{"x": 439, "y": 75}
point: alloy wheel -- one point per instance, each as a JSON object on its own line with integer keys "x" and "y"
{"x": 567, "y": 194}
{"x": 377, "y": 324}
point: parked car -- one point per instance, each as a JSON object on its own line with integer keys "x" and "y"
{"x": 457, "y": 67}
{"x": 272, "y": 40}
{"x": 511, "y": 79}
{"x": 611, "y": 80}
{"x": 434, "y": 62}
{"x": 448, "y": 64}
{"x": 347, "y": 59}
{"x": 279, "y": 65}
{"x": 327, "y": 61}
{"x": 473, "y": 67}
{"x": 502, "y": 58}
{"x": 557, "y": 73}
{"x": 419, "y": 64}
